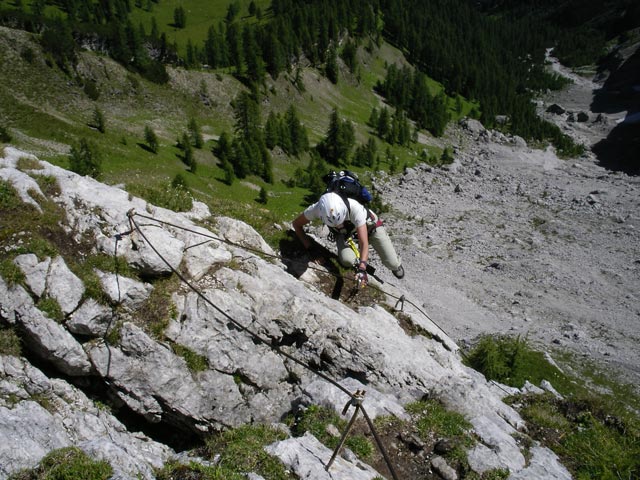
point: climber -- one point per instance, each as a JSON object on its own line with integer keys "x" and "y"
{"x": 345, "y": 217}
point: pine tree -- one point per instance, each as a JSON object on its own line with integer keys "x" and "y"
{"x": 247, "y": 116}
{"x": 194, "y": 134}
{"x": 179, "y": 17}
{"x": 383, "y": 127}
{"x": 155, "y": 34}
{"x": 99, "y": 120}
{"x": 151, "y": 139}
{"x": 187, "y": 152}
{"x": 272, "y": 131}
{"x": 252, "y": 56}
{"x": 263, "y": 197}
{"x": 373, "y": 118}
{"x": 234, "y": 46}
{"x": 336, "y": 146}
{"x": 296, "y": 132}
{"x": 85, "y": 159}
{"x": 349, "y": 55}
{"x": 190, "y": 61}
{"x": 331, "y": 66}
{"x": 229, "y": 174}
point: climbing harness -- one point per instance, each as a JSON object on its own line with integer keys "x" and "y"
{"x": 361, "y": 275}
{"x": 370, "y": 270}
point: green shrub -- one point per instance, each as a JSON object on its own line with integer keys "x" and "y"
{"x": 113, "y": 336}
{"x": 48, "y": 185}
{"x": 9, "y": 342}
{"x": 242, "y": 450}
{"x": 51, "y": 307}
{"x": 195, "y": 362}
{"x": 27, "y": 54}
{"x": 593, "y": 437}
{"x": 91, "y": 89}
{"x": 67, "y": 464}
{"x": 99, "y": 121}
{"x": 9, "y": 198}
{"x": 10, "y": 272}
{"x": 510, "y": 360}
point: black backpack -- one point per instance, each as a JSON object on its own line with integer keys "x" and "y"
{"x": 347, "y": 185}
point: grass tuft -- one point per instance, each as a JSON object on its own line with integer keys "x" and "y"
{"x": 10, "y": 272}
{"x": 51, "y": 308}
{"x": 241, "y": 450}
{"x": 159, "y": 309}
{"x": 10, "y": 343}
{"x": 67, "y": 463}
{"x": 433, "y": 420}
{"x": 195, "y": 362}
{"x": 592, "y": 437}
{"x": 316, "y": 419}
{"x": 510, "y": 360}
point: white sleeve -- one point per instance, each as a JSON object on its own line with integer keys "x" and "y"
{"x": 312, "y": 212}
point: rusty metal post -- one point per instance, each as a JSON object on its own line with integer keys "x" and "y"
{"x": 355, "y": 400}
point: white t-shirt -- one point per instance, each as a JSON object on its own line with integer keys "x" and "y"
{"x": 356, "y": 213}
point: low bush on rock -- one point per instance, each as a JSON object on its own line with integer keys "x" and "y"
{"x": 595, "y": 434}
{"x": 51, "y": 308}
{"x": 592, "y": 441}
{"x": 174, "y": 197}
{"x": 10, "y": 272}
{"x": 241, "y": 451}
{"x": 510, "y": 360}
{"x": 64, "y": 464}
{"x": 9, "y": 342}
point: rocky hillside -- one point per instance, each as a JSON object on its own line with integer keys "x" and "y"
{"x": 513, "y": 239}
{"x": 260, "y": 335}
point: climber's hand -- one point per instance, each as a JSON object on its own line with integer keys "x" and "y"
{"x": 362, "y": 278}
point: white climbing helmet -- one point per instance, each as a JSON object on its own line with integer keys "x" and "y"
{"x": 333, "y": 209}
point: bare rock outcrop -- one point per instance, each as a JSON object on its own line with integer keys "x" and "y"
{"x": 238, "y": 314}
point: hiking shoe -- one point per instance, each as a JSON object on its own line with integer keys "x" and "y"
{"x": 398, "y": 272}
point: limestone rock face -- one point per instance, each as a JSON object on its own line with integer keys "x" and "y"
{"x": 91, "y": 319}
{"x": 306, "y": 457}
{"x": 64, "y": 286}
{"x": 35, "y": 272}
{"x": 227, "y": 347}
{"x": 44, "y": 337}
{"x": 47, "y": 414}
{"x": 124, "y": 291}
